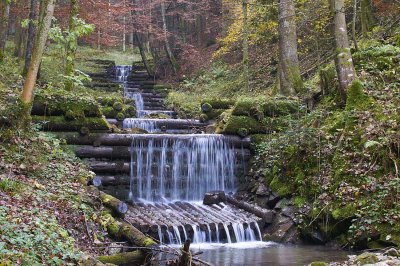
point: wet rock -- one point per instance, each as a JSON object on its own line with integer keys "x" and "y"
{"x": 273, "y": 200}
{"x": 289, "y": 211}
{"x": 317, "y": 237}
{"x": 262, "y": 190}
{"x": 282, "y": 230}
{"x": 392, "y": 252}
{"x": 281, "y": 204}
{"x": 367, "y": 258}
{"x": 214, "y": 197}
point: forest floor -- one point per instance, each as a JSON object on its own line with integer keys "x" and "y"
{"x": 46, "y": 214}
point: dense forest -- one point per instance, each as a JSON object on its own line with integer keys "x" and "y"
{"x": 186, "y": 132}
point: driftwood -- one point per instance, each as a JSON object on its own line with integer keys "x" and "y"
{"x": 265, "y": 214}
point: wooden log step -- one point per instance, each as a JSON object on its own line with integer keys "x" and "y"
{"x": 123, "y": 152}
{"x": 97, "y": 139}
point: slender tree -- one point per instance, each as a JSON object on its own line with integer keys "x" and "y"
{"x": 245, "y": 43}
{"x": 4, "y": 16}
{"x": 367, "y": 17}
{"x": 167, "y": 45}
{"x": 343, "y": 59}
{"x": 33, "y": 16}
{"x": 45, "y": 16}
{"x": 290, "y": 77}
{"x": 72, "y": 43}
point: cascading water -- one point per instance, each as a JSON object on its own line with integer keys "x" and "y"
{"x": 122, "y": 73}
{"x": 182, "y": 167}
{"x": 168, "y": 169}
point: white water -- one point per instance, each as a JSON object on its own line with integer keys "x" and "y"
{"x": 122, "y": 73}
{"x": 181, "y": 168}
{"x": 145, "y": 124}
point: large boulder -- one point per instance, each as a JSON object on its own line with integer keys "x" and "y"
{"x": 282, "y": 230}
{"x": 214, "y": 197}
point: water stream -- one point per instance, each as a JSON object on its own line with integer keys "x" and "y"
{"x": 169, "y": 175}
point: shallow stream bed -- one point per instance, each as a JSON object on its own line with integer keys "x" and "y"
{"x": 266, "y": 253}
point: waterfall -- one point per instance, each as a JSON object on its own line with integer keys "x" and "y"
{"x": 183, "y": 167}
{"x": 171, "y": 172}
{"x": 122, "y": 73}
{"x": 145, "y": 124}
{"x": 228, "y": 236}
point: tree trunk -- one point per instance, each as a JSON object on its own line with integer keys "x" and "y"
{"x": 167, "y": 46}
{"x": 4, "y": 16}
{"x": 33, "y": 16}
{"x": 290, "y": 77}
{"x": 245, "y": 44}
{"x": 124, "y": 32}
{"x": 18, "y": 37}
{"x": 72, "y": 44}
{"x": 353, "y": 25}
{"x": 143, "y": 55}
{"x": 367, "y": 17}
{"x": 343, "y": 59}
{"x": 46, "y": 15}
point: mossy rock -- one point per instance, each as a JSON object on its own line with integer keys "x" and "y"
{"x": 203, "y": 118}
{"x": 109, "y": 112}
{"x": 130, "y": 111}
{"x": 257, "y": 139}
{"x": 215, "y": 113}
{"x": 120, "y": 116}
{"x": 367, "y": 258}
{"x": 235, "y": 123}
{"x": 118, "y": 106}
{"x": 282, "y": 188}
{"x": 206, "y": 107}
{"x": 59, "y": 123}
{"x": 219, "y": 103}
{"x": 319, "y": 263}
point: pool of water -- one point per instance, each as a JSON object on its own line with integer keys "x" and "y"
{"x": 265, "y": 253}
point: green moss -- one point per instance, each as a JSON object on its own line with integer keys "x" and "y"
{"x": 319, "y": 263}
{"x": 157, "y": 116}
{"x": 367, "y": 258}
{"x": 270, "y": 107}
{"x": 206, "y": 107}
{"x": 48, "y": 102}
{"x": 214, "y": 113}
{"x": 356, "y": 98}
{"x": 344, "y": 212}
{"x": 299, "y": 201}
{"x": 281, "y": 188}
{"x": 118, "y": 106}
{"x": 130, "y": 112}
{"x": 235, "y": 123}
{"x": 109, "y": 112}
{"x": 58, "y": 123}
{"x": 120, "y": 116}
{"x": 219, "y": 103}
